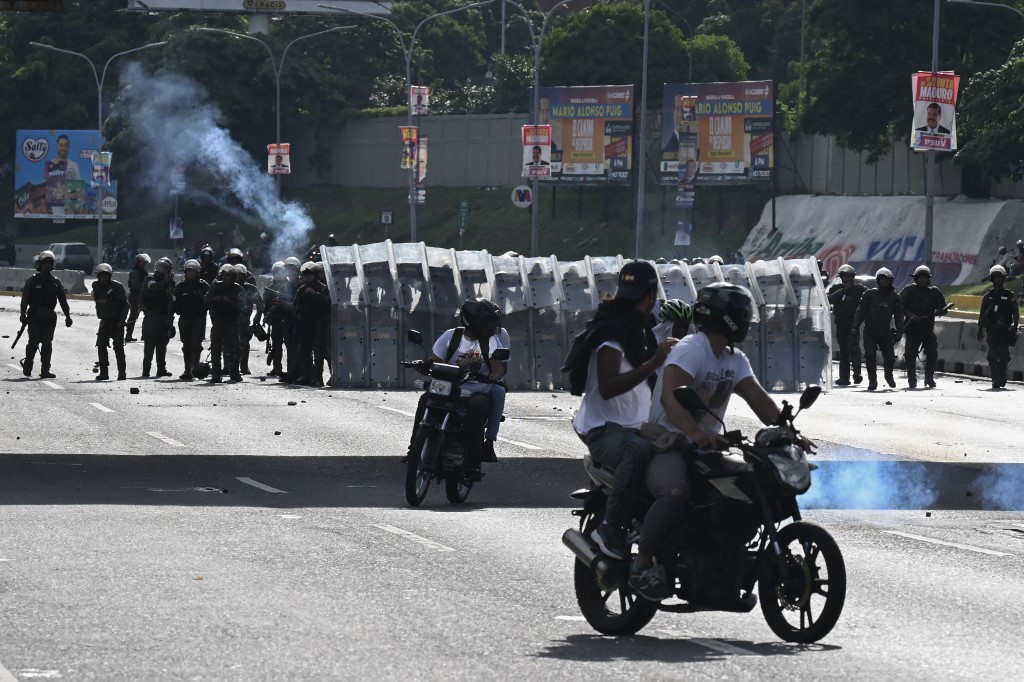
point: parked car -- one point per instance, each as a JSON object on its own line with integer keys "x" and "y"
{"x": 72, "y": 256}
{"x": 7, "y": 251}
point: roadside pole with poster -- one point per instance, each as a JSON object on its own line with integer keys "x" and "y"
{"x": 419, "y": 99}
{"x": 279, "y": 159}
{"x": 410, "y": 141}
{"x": 537, "y": 151}
{"x": 934, "y": 126}
{"x": 421, "y": 172}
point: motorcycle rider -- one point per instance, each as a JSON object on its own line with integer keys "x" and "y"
{"x": 158, "y": 324}
{"x": 621, "y": 354}
{"x": 189, "y": 295}
{"x": 844, "y": 297}
{"x": 39, "y": 298}
{"x": 207, "y": 265}
{"x": 709, "y": 363}
{"x": 876, "y": 310}
{"x": 998, "y": 319}
{"x": 251, "y": 301}
{"x": 224, "y": 301}
{"x": 136, "y": 276}
{"x": 112, "y": 310}
{"x": 922, "y": 303}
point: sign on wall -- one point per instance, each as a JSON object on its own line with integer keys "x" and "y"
{"x": 54, "y": 173}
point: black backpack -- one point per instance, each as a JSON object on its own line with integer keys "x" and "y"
{"x": 453, "y": 345}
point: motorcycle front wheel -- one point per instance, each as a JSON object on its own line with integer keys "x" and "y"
{"x": 456, "y": 489}
{"x": 419, "y": 467}
{"x": 804, "y": 605}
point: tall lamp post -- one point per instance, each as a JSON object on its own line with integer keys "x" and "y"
{"x": 987, "y": 4}
{"x": 100, "y": 78}
{"x": 407, "y": 52}
{"x": 278, "y": 66}
{"x": 642, "y": 150}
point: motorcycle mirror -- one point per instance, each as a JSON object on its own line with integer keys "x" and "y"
{"x": 414, "y": 336}
{"x": 501, "y": 354}
{"x": 689, "y": 398}
{"x": 809, "y": 395}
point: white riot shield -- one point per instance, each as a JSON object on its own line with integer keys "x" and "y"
{"x": 676, "y": 282}
{"x": 580, "y": 300}
{"x": 414, "y": 296}
{"x": 814, "y": 323}
{"x": 348, "y": 316}
{"x": 511, "y": 295}
{"x": 445, "y": 287}
{"x": 548, "y": 328}
{"x": 604, "y": 271}
{"x": 384, "y": 314}
{"x": 475, "y": 275}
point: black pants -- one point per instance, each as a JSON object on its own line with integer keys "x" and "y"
{"x": 154, "y": 341}
{"x": 192, "y": 331}
{"x": 304, "y": 343}
{"x": 849, "y": 355}
{"x": 224, "y": 340}
{"x": 478, "y": 408}
{"x": 133, "y": 312}
{"x": 883, "y": 345}
{"x": 244, "y": 339}
{"x": 919, "y": 338}
{"x": 110, "y": 331}
{"x": 40, "y": 333}
{"x": 998, "y": 355}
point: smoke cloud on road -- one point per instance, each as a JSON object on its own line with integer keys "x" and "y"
{"x": 870, "y": 485}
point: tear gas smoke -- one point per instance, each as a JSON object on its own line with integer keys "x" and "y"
{"x": 869, "y": 485}
{"x": 1002, "y": 487}
{"x": 175, "y": 125}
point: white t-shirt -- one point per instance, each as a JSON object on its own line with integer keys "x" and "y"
{"x": 629, "y": 409}
{"x": 663, "y": 330}
{"x": 714, "y": 379}
{"x": 468, "y": 354}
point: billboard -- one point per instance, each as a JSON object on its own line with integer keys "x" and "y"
{"x": 53, "y": 176}
{"x": 934, "y": 125}
{"x": 733, "y": 127}
{"x": 591, "y": 133}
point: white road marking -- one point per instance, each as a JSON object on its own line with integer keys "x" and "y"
{"x": 970, "y": 548}
{"x": 713, "y": 644}
{"x": 13, "y": 366}
{"x": 101, "y": 408}
{"x": 5, "y": 675}
{"x": 290, "y": 516}
{"x": 419, "y": 540}
{"x": 395, "y": 409}
{"x": 38, "y": 673}
{"x": 526, "y": 446}
{"x": 52, "y": 385}
{"x": 569, "y": 618}
{"x": 262, "y": 486}
{"x": 166, "y": 439}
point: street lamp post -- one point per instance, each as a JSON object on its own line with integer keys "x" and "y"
{"x": 987, "y": 4}
{"x": 642, "y": 151}
{"x": 277, "y": 66}
{"x": 407, "y": 52}
{"x": 100, "y": 78}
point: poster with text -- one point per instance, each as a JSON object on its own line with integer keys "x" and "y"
{"x": 101, "y": 168}
{"x": 279, "y": 160}
{"x": 410, "y": 141}
{"x": 934, "y": 125}
{"x": 733, "y": 127}
{"x": 591, "y": 133}
{"x": 419, "y": 99}
{"x": 54, "y": 174}
{"x": 421, "y": 172}
{"x": 536, "y": 151}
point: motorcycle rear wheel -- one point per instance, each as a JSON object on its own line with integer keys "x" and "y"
{"x": 418, "y": 470}
{"x": 817, "y": 576}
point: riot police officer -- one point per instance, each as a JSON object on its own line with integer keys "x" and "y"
{"x": 136, "y": 276}
{"x": 224, "y": 301}
{"x": 844, "y": 297}
{"x": 251, "y": 301}
{"x": 112, "y": 310}
{"x": 207, "y": 265}
{"x": 189, "y": 295}
{"x": 922, "y": 303}
{"x": 879, "y": 310}
{"x": 39, "y": 299}
{"x": 277, "y": 299}
{"x": 998, "y": 320}
{"x": 312, "y": 303}
{"x": 158, "y": 324}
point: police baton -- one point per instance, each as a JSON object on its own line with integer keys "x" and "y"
{"x": 20, "y": 332}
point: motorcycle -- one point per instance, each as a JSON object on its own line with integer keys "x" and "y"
{"x": 437, "y": 451}
{"x": 743, "y": 528}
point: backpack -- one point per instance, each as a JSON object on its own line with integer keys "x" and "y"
{"x": 453, "y": 345}
{"x": 577, "y": 362}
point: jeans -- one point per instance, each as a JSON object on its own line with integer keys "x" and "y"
{"x": 627, "y": 452}
{"x": 497, "y": 394}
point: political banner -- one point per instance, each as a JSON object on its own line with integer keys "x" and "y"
{"x": 733, "y": 127}
{"x": 101, "y": 168}
{"x": 279, "y": 161}
{"x": 934, "y": 125}
{"x": 54, "y": 176}
{"x": 536, "y": 151}
{"x": 419, "y": 99}
{"x": 421, "y": 172}
{"x": 591, "y": 133}
{"x": 410, "y": 141}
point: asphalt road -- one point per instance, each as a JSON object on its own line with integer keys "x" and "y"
{"x": 219, "y": 533}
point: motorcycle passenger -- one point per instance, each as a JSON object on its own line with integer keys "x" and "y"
{"x": 136, "y": 276}
{"x": 158, "y": 324}
{"x": 922, "y": 303}
{"x": 622, "y": 354}
{"x": 998, "y": 320}
{"x": 188, "y": 304}
{"x": 876, "y": 310}
{"x": 709, "y": 363}
{"x": 39, "y": 298}
{"x": 112, "y": 310}
{"x": 844, "y": 297}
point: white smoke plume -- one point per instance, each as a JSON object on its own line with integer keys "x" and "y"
{"x": 177, "y": 126}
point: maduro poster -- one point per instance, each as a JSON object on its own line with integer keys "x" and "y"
{"x": 53, "y": 176}
{"x": 733, "y": 127}
{"x": 934, "y": 125}
{"x": 591, "y": 133}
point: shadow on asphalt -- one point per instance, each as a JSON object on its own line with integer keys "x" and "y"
{"x": 669, "y": 649}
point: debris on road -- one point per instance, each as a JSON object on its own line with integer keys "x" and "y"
{"x": 292, "y": 403}
{"x": 277, "y": 433}
{"x": 133, "y": 391}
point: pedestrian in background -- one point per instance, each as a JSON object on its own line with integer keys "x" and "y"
{"x": 998, "y": 321}
{"x": 881, "y": 313}
{"x": 844, "y": 297}
{"x": 922, "y": 303}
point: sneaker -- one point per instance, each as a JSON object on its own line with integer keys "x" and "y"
{"x": 47, "y": 374}
{"x": 185, "y": 376}
{"x": 611, "y": 540}
{"x": 649, "y": 583}
{"x": 487, "y": 452}
{"x": 162, "y": 373}
{"x": 102, "y": 376}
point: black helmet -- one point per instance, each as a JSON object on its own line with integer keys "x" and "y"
{"x": 480, "y": 318}
{"x": 724, "y": 308}
{"x": 201, "y": 370}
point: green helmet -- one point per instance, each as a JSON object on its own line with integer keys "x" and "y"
{"x": 674, "y": 310}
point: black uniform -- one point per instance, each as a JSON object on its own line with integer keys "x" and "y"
{"x": 277, "y": 304}
{"x": 39, "y": 300}
{"x": 189, "y": 304}
{"x": 998, "y": 319}
{"x": 224, "y": 301}
{"x": 208, "y": 269}
{"x": 251, "y": 300}
{"x": 312, "y": 304}
{"x": 878, "y": 310}
{"x": 921, "y": 304}
{"x": 112, "y": 309}
{"x": 136, "y": 276}
{"x": 156, "y": 303}
{"x": 844, "y": 308}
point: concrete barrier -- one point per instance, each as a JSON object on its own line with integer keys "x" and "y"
{"x": 13, "y": 279}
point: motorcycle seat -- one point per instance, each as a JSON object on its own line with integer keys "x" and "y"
{"x": 597, "y": 473}
{"x": 715, "y": 464}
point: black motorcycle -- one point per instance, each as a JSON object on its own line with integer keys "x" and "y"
{"x": 743, "y": 527}
{"x": 437, "y": 451}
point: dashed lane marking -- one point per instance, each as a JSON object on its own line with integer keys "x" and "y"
{"x": 395, "y": 409}
{"x": 13, "y": 366}
{"x": 521, "y": 444}
{"x": 166, "y": 439}
{"x": 573, "y": 618}
{"x": 262, "y": 486}
{"x": 714, "y": 644}
{"x": 53, "y": 385}
{"x": 5, "y": 675}
{"x": 419, "y": 540}
{"x": 969, "y": 548}
{"x": 101, "y": 408}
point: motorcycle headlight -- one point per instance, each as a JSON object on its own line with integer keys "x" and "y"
{"x": 792, "y": 469}
{"x": 440, "y": 387}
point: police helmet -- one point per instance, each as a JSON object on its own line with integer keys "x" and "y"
{"x": 293, "y": 261}
{"x": 308, "y": 266}
{"x": 143, "y": 258}
{"x": 997, "y": 270}
{"x": 165, "y": 264}
{"x": 240, "y": 269}
{"x": 675, "y": 310}
{"x": 207, "y": 250}
{"x": 191, "y": 264}
{"x": 235, "y": 253}
{"x": 45, "y": 255}
{"x": 883, "y": 272}
{"x": 725, "y": 308}
{"x": 1002, "y": 250}
{"x": 922, "y": 270}
{"x": 264, "y": 236}
{"x": 716, "y": 259}
{"x": 226, "y": 269}
{"x": 846, "y": 268}
{"x": 279, "y": 265}
{"x": 104, "y": 267}
{"x": 480, "y": 317}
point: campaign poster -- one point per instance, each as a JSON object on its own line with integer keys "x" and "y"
{"x": 101, "y": 168}
{"x": 279, "y": 159}
{"x": 410, "y": 141}
{"x": 536, "y": 151}
{"x": 733, "y": 127}
{"x": 591, "y": 133}
{"x": 419, "y": 99}
{"x": 421, "y": 172}
{"x": 54, "y": 176}
{"x": 934, "y": 125}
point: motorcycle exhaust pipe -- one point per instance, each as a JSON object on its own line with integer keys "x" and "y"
{"x": 585, "y": 552}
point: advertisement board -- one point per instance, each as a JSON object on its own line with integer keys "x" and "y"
{"x": 53, "y": 176}
{"x": 591, "y": 133}
{"x": 934, "y": 125}
{"x": 733, "y": 126}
